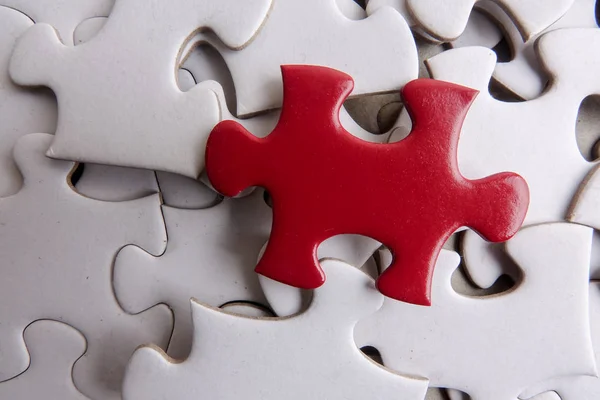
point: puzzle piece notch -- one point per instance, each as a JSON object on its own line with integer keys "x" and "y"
{"x": 511, "y": 329}
{"x": 312, "y": 137}
{"x": 224, "y": 343}
{"x": 22, "y": 110}
{"x": 53, "y": 347}
{"x": 51, "y": 219}
{"x": 119, "y": 130}
{"x": 447, "y": 20}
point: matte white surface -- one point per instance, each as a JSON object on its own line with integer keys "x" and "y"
{"x": 317, "y": 32}
{"x": 57, "y": 248}
{"x": 235, "y": 357}
{"x": 22, "y": 110}
{"x": 53, "y": 348}
{"x": 211, "y": 255}
{"x": 139, "y": 118}
{"x": 535, "y": 139}
{"x": 63, "y": 15}
{"x": 446, "y": 20}
{"x": 495, "y": 347}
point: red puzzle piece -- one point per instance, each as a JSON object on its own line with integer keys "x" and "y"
{"x": 323, "y": 181}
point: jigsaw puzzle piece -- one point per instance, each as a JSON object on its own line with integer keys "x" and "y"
{"x": 523, "y": 75}
{"x": 492, "y": 136}
{"x": 447, "y": 20}
{"x": 333, "y": 162}
{"x": 53, "y": 347}
{"x": 63, "y": 15}
{"x": 22, "y": 110}
{"x": 495, "y": 347}
{"x": 253, "y": 355}
{"x": 210, "y": 256}
{"x": 286, "y": 38}
{"x": 586, "y": 202}
{"x": 583, "y": 387}
{"x": 57, "y": 250}
{"x": 168, "y": 130}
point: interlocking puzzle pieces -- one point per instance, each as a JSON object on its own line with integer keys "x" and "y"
{"x": 523, "y": 75}
{"x": 57, "y": 250}
{"x": 53, "y": 347}
{"x": 210, "y": 256}
{"x": 133, "y": 57}
{"x": 293, "y": 34}
{"x": 22, "y": 110}
{"x": 493, "y": 138}
{"x": 510, "y": 339}
{"x": 63, "y": 15}
{"x": 447, "y": 20}
{"x": 355, "y": 250}
{"x": 310, "y": 148}
{"x": 277, "y": 358}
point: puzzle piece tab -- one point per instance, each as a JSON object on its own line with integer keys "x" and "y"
{"x": 56, "y": 253}
{"x": 22, "y": 110}
{"x": 408, "y": 195}
{"x": 309, "y": 356}
{"x": 53, "y": 347}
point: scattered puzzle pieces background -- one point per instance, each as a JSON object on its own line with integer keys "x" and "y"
{"x": 126, "y": 274}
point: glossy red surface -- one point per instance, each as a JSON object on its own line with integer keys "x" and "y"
{"x": 408, "y": 195}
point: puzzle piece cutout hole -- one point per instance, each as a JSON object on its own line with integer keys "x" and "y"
{"x": 248, "y": 309}
{"x": 372, "y": 353}
{"x": 587, "y": 129}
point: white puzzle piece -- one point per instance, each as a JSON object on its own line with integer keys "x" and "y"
{"x": 53, "y": 348}
{"x": 22, "y": 110}
{"x": 523, "y": 75}
{"x": 528, "y": 137}
{"x": 57, "y": 248}
{"x": 584, "y": 387}
{"x": 495, "y": 347}
{"x": 211, "y": 255}
{"x": 309, "y": 356}
{"x": 139, "y": 118}
{"x": 63, "y": 15}
{"x": 317, "y": 32}
{"x": 446, "y": 20}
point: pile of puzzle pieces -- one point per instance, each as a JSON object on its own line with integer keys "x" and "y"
{"x": 299, "y": 199}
